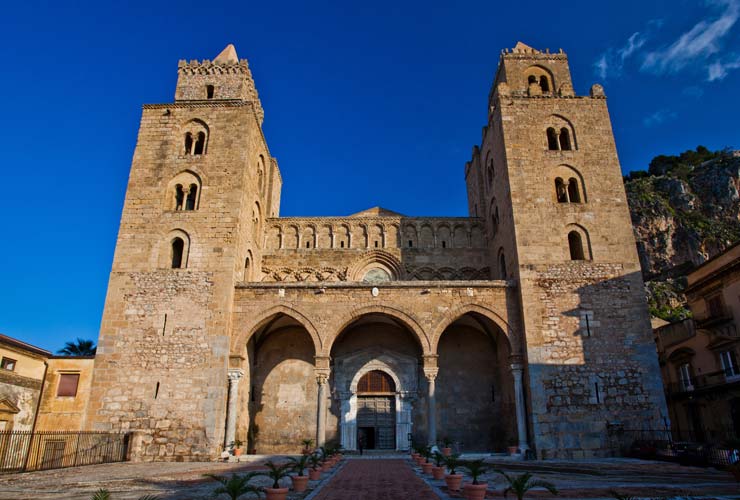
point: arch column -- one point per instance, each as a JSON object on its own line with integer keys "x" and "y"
{"x": 235, "y": 375}
{"x": 430, "y": 372}
{"x": 322, "y": 372}
{"x": 517, "y": 369}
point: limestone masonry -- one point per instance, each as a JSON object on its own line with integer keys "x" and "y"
{"x": 523, "y": 325}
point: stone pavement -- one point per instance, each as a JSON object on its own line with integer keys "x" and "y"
{"x": 376, "y": 479}
{"x": 373, "y": 478}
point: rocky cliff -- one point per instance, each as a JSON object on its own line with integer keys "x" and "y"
{"x": 685, "y": 209}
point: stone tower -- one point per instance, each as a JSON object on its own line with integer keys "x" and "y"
{"x": 202, "y": 182}
{"x": 547, "y": 180}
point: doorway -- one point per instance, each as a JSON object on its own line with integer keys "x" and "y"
{"x": 376, "y": 411}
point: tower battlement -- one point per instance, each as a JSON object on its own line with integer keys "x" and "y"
{"x": 225, "y": 77}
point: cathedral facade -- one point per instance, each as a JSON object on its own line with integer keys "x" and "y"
{"x": 522, "y": 325}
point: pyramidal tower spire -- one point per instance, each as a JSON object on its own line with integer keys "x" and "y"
{"x": 225, "y": 78}
{"x": 227, "y": 56}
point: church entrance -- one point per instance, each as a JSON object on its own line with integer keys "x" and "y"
{"x": 376, "y": 411}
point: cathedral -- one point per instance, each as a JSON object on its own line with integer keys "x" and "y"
{"x": 523, "y": 326}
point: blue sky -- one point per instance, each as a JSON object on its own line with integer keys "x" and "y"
{"x": 372, "y": 103}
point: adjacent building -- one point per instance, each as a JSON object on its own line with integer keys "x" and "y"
{"x": 699, "y": 356}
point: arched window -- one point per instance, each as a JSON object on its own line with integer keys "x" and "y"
{"x": 179, "y": 197}
{"x": 248, "y": 266}
{"x": 561, "y": 191}
{"x": 502, "y": 265}
{"x": 196, "y": 137}
{"x": 564, "y": 139}
{"x": 552, "y": 139}
{"x": 209, "y": 91}
{"x": 495, "y": 221}
{"x": 376, "y": 382}
{"x": 188, "y": 143}
{"x": 178, "y": 248}
{"x": 574, "y": 196}
{"x": 183, "y": 191}
{"x": 532, "y": 79}
{"x": 192, "y": 196}
{"x": 575, "y": 243}
{"x": 200, "y": 144}
{"x": 544, "y": 84}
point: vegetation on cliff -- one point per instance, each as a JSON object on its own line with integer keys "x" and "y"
{"x": 685, "y": 209}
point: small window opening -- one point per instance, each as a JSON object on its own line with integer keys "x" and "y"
{"x": 308, "y": 244}
{"x": 188, "y": 143}
{"x": 573, "y": 195}
{"x": 192, "y": 195}
{"x": 68, "y": 383}
{"x": 200, "y": 144}
{"x": 575, "y": 243}
{"x": 561, "y": 191}
{"x": 209, "y": 91}
{"x": 8, "y": 364}
{"x": 411, "y": 243}
{"x": 156, "y": 390}
{"x": 552, "y": 139}
{"x": 341, "y": 244}
{"x": 544, "y": 84}
{"x": 164, "y": 325}
{"x": 564, "y": 139}
{"x": 377, "y": 244}
{"x": 246, "y": 269}
{"x": 502, "y": 266}
{"x": 532, "y": 79}
{"x": 596, "y": 390}
{"x": 178, "y": 246}
{"x": 444, "y": 244}
{"x": 179, "y": 197}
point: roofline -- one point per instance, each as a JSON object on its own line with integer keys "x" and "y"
{"x": 19, "y": 344}
{"x": 706, "y": 263}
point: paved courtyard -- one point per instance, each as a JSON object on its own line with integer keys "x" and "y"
{"x": 376, "y": 478}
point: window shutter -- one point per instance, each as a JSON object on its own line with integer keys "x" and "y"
{"x": 68, "y": 384}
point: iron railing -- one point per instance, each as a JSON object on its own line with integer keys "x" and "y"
{"x": 23, "y": 451}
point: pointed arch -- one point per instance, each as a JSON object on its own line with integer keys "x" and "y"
{"x": 352, "y": 315}
{"x": 246, "y": 330}
{"x": 453, "y": 315}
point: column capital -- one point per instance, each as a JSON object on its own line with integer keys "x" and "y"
{"x": 322, "y": 376}
{"x": 516, "y": 359}
{"x": 431, "y": 373}
{"x": 235, "y": 374}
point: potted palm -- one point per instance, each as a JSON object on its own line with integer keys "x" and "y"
{"x": 426, "y": 466}
{"x": 453, "y": 479}
{"x": 438, "y": 471}
{"x": 307, "y": 443}
{"x": 446, "y": 446}
{"x": 314, "y": 472}
{"x": 521, "y": 484}
{"x": 103, "y": 494}
{"x": 236, "y": 485}
{"x": 276, "y": 473}
{"x": 236, "y": 447}
{"x": 300, "y": 481}
{"x": 475, "y": 490}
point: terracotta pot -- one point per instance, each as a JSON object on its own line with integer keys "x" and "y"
{"x": 420, "y": 460}
{"x": 426, "y": 467}
{"x": 276, "y": 493}
{"x": 447, "y": 451}
{"x": 513, "y": 450}
{"x": 237, "y": 452}
{"x": 414, "y": 456}
{"x": 438, "y": 472}
{"x": 314, "y": 474}
{"x": 299, "y": 483}
{"x": 475, "y": 491}
{"x": 453, "y": 481}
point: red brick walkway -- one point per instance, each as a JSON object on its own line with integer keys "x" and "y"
{"x": 376, "y": 479}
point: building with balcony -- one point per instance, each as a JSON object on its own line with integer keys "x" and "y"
{"x": 698, "y": 356}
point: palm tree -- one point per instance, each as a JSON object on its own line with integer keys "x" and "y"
{"x": 277, "y": 472}
{"x": 79, "y": 347}
{"x": 475, "y": 468}
{"x": 521, "y": 484}
{"x": 236, "y": 485}
{"x": 299, "y": 464}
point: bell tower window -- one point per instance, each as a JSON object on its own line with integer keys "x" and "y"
{"x": 209, "y": 91}
{"x": 178, "y": 247}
